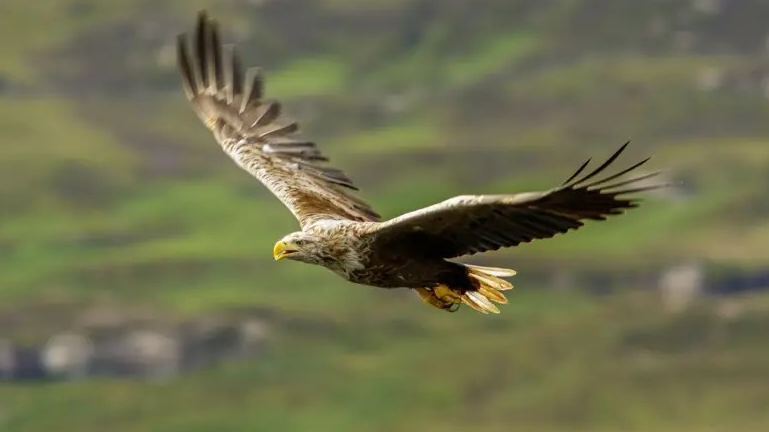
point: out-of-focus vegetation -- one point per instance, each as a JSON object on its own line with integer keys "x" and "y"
{"x": 555, "y": 361}
{"x": 110, "y": 189}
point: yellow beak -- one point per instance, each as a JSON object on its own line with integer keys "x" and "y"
{"x": 283, "y": 249}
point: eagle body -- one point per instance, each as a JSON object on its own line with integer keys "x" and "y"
{"x": 343, "y": 233}
{"x": 354, "y": 251}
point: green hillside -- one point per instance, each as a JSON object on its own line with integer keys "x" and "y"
{"x": 460, "y": 99}
{"x": 111, "y": 191}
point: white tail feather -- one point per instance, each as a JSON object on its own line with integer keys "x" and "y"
{"x": 466, "y": 299}
{"x": 480, "y": 300}
{"x": 493, "y": 271}
{"x": 489, "y": 288}
{"x": 492, "y": 281}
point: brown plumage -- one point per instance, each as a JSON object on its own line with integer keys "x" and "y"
{"x": 343, "y": 233}
{"x": 257, "y": 136}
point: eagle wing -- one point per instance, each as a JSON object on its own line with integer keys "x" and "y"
{"x": 477, "y": 223}
{"x": 257, "y": 137}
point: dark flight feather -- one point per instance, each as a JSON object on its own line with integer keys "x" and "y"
{"x": 478, "y": 223}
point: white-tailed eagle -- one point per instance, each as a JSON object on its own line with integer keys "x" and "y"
{"x": 342, "y": 233}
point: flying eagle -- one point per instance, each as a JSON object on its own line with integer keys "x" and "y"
{"x": 344, "y": 234}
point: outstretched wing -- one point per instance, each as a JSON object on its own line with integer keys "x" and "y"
{"x": 476, "y": 223}
{"x": 257, "y": 137}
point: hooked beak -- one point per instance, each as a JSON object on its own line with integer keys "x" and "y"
{"x": 283, "y": 249}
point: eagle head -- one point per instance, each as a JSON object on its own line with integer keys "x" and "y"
{"x": 299, "y": 246}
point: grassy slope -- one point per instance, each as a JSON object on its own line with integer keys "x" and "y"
{"x": 637, "y": 370}
{"x": 84, "y": 215}
{"x": 533, "y": 111}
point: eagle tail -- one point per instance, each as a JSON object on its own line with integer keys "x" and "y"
{"x": 489, "y": 285}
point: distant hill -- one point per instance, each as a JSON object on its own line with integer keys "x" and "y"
{"x": 107, "y": 177}
{"x": 114, "y": 198}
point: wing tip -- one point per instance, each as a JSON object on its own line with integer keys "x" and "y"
{"x": 185, "y": 66}
{"x": 202, "y": 17}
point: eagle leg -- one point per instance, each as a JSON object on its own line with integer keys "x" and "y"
{"x": 430, "y": 297}
{"x": 450, "y": 298}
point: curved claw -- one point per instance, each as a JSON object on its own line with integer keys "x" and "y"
{"x": 453, "y": 307}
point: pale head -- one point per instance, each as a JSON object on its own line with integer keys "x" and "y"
{"x": 298, "y": 246}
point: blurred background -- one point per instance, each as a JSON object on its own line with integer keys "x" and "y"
{"x": 137, "y": 287}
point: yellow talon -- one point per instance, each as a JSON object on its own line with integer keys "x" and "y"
{"x": 429, "y": 297}
{"x": 446, "y": 294}
{"x": 443, "y": 298}
{"x": 451, "y": 299}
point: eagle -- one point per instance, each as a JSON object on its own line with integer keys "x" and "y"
{"x": 343, "y": 233}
